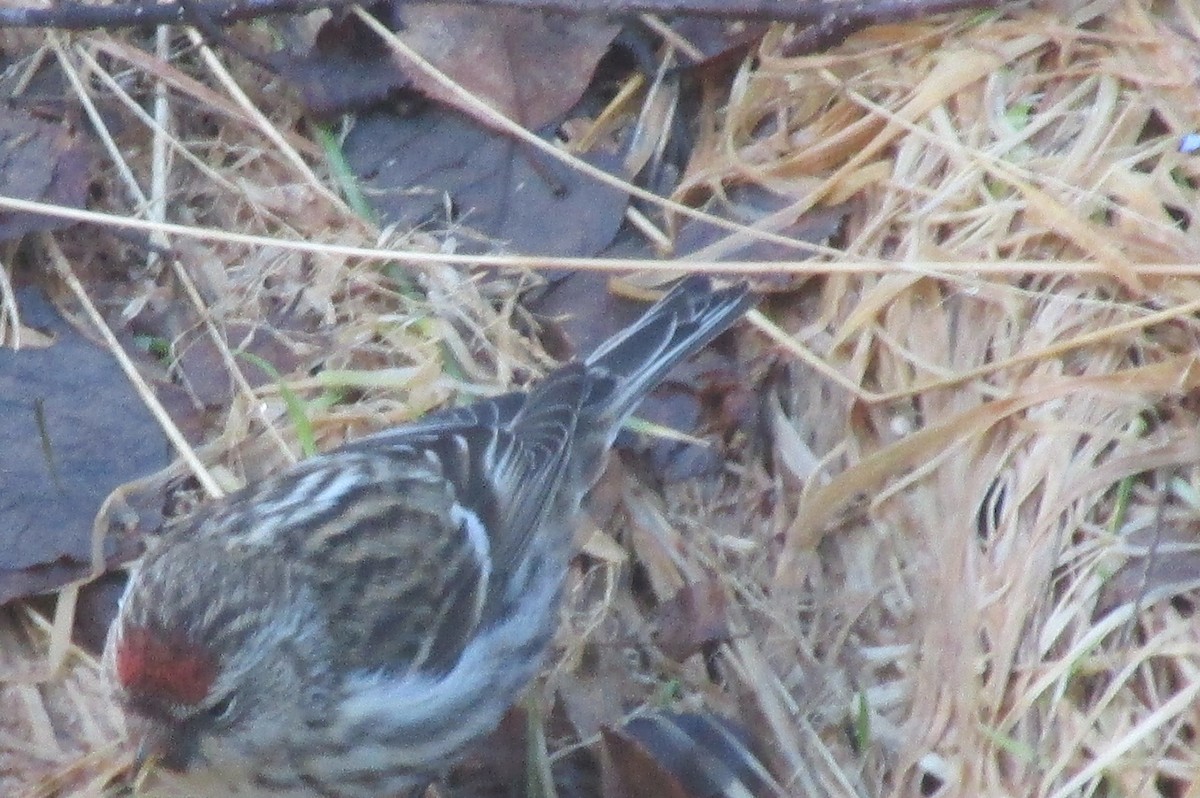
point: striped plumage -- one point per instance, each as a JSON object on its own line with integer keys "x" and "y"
{"x": 349, "y": 627}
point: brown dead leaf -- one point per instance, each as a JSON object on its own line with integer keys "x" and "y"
{"x": 531, "y": 66}
{"x": 499, "y": 766}
{"x": 204, "y": 371}
{"x": 693, "y": 619}
{"x": 43, "y": 157}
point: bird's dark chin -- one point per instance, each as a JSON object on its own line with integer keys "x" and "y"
{"x": 176, "y": 761}
{"x": 172, "y": 748}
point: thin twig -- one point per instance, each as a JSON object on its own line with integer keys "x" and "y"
{"x": 828, "y": 13}
{"x": 145, "y": 393}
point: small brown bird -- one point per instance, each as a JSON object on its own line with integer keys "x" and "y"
{"x": 348, "y": 628}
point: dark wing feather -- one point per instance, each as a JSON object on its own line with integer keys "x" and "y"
{"x": 426, "y": 517}
{"x": 415, "y": 537}
{"x": 504, "y": 457}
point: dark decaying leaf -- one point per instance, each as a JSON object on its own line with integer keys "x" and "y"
{"x": 682, "y": 755}
{"x": 748, "y": 205}
{"x": 494, "y": 768}
{"x": 580, "y": 311}
{"x": 95, "y": 608}
{"x": 71, "y": 430}
{"x": 713, "y": 397}
{"x": 437, "y": 170}
{"x": 632, "y": 771}
{"x": 43, "y": 157}
{"x": 347, "y": 68}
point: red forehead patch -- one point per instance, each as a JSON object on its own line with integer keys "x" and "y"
{"x": 174, "y": 671}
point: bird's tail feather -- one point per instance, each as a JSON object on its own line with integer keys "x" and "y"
{"x": 680, "y": 324}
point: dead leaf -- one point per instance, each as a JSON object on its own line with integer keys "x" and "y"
{"x": 749, "y": 205}
{"x": 71, "y": 431}
{"x": 498, "y": 767}
{"x": 715, "y": 43}
{"x": 529, "y": 65}
{"x": 693, "y": 619}
{"x": 1164, "y": 563}
{"x": 205, "y": 372}
{"x": 438, "y": 170}
{"x": 348, "y": 67}
{"x": 44, "y": 157}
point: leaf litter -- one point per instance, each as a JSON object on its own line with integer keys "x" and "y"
{"x": 972, "y": 410}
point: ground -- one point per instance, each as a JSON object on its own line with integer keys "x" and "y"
{"x": 953, "y": 548}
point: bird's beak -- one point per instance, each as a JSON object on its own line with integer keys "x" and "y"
{"x": 170, "y": 747}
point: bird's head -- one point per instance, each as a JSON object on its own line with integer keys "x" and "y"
{"x": 218, "y": 653}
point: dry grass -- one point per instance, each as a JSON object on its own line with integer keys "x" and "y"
{"x": 983, "y": 439}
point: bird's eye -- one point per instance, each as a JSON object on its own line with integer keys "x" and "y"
{"x": 220, "y": 711}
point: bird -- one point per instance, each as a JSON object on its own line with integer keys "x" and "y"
{"x": 350, "y": 627}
